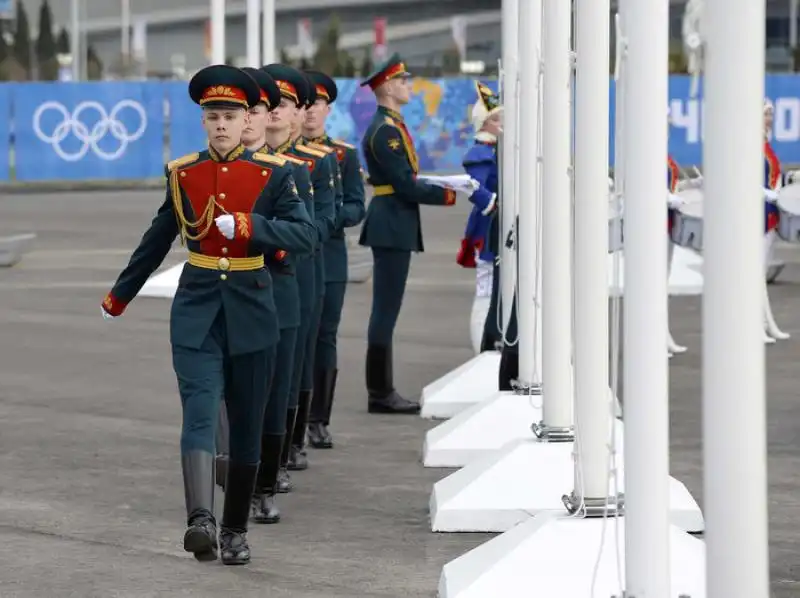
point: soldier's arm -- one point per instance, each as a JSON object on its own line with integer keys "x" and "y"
{"x": 324, "y": 182}
{"x": 352, "y": 211}
{"x": 388, "y": 149}
{"x": 287, "y": 225}
{"x": 147, "y": 257}
{"x": 339, "y": 204}
{"x": 483, "y": 199}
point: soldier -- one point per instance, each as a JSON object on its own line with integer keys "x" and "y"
{"x": 392, "y": 226}
{"x": 229, "y": 206}
{"x": 270, "y": 132}
{"x": 310, "y": 272}
{"x": 350, "y": 213}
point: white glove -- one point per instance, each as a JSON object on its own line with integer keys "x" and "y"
{"x": 106, "y": 315}
{"x": 674, "y": 201}
{"x": 225, "y": 225}
{"x": 793, "y": 176}
{"x": 770, "y": 195}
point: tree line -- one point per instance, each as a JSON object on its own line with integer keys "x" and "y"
{"x": 26, "y": 59}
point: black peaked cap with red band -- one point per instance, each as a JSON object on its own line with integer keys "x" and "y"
{"x": 223, "y": 86}
{"x": 391, "y": 69}
{"x": 312, "y": 91}
{"x": 324, "y": 86}
{"x": 291, "y": 82}
{"x": 270, "y": 93}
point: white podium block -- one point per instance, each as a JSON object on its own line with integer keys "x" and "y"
{"x": 459, "y": 389}
{"x": 498, "y": 492}
{"x": 553, "y": 555}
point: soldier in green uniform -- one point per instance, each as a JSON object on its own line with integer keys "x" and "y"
{"x": 230, "y": 206}
{"x": 269, "y": 132}
{"x": 392, "y": 226}
{"x": 350, "y": 213}
{"x": 310, "y": 272}
{"x": 298, "y": 459}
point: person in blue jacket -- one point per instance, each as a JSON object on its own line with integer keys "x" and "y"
{"x": 476, "y": 251}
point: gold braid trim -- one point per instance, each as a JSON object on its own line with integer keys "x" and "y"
{"x": 202, "y": 224}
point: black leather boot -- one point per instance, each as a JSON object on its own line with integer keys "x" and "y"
{"x": 198, "y": 486}
{"x": 234, "y": 549}
{"x": 284, "y": 480}
{"x": 383, "y": 398}
{"x": 319, "y": 414}
{"x": 509, "y": 368}
{"x": 298, "y": 459}
{"x": 221, "y": 470}
{"x": 263, "y": 507}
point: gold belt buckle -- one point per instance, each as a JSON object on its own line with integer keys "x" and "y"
{"x": 224, "y": 264}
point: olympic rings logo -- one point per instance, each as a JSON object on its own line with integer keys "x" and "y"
{"x": 71, "y": 124}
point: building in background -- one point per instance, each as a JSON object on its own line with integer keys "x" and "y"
{"x": 175, "y": 36}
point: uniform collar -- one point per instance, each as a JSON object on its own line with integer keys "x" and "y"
{"x": 280, "y": 149}
{"x": 392, "y": 113}
{"x": 232, "y": 155}
{"x": 321, "y": 139}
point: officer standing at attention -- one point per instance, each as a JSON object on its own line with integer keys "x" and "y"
{"x": 310, "y": 272}
{"x": 230, "y": 206}
{"x": 392, "y": 226}
{"x": 350, "y": 213}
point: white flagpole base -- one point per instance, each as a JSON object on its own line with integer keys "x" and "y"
{"x": 481, "y": 429}
{"x": 463, "y": 387}
{"x": 484, "y": 428}
{"x": 164, "y": 284}
{"x": 524, "y": 478}
{"x": 553, "y": 554}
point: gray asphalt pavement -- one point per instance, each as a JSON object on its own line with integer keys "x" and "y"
{"x": 91, "y": 501}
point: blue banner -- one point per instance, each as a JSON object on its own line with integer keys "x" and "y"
{"x": 5, "y": 130}
{"x": 85, "y": 131}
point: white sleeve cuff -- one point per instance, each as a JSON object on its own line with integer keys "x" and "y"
{"x": 490, "y": 208}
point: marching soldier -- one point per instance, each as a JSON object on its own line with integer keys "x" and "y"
{"x": 392, "y": 226}
{"x": 230, "y": 206}
{"x": 350, "y": 213}
{"x": 310, "y": 272}
{"x": 270, "y": 132}
{"x": 298, "y": 459}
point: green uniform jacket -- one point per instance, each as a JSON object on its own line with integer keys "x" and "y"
{"x": 323, "y": 183}
{"x": 282, "y": 264}
{"x": 349, "y": 213}
{"x": 260, "y": 192}
{"x": 393, "y": 217}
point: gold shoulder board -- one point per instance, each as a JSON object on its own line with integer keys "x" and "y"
{"x": 390, "y": 121}
{"x": 310, "y": 151}
{"x": 323, "y": 148}
{"x": 269, "y": 159}
{"x": 182, "y": 161}
{"x": 341, "y": 143}
{"x": 292, "y": 159}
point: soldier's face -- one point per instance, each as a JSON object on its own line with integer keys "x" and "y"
{"x": 254, "y": 131}
{"x": 317, "y": 114}
{"x": 401, "y": 90}
{"x": 224, "y": 127}
{"x": 769, "y": 117}
{"x": 282, "y": 117}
